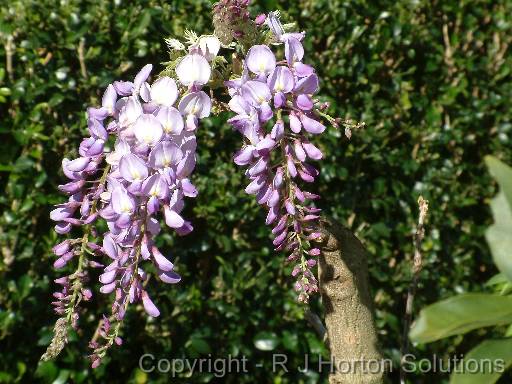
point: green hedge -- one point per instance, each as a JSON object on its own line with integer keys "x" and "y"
{"x": 431, "y": 80}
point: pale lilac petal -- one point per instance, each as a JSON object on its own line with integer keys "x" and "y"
{"x": 145, "y": 92}
{"x": 245, "y": 155}
{"x": 142, "y": 76}
{"x": 300, "y": 154}
{"x": 173, "y": 219}
{"x": 295, "y": 124}
{"x": 312, "y": 151}
{"x": 161, "y": 261}
{"x": 304, "y": 102}
{"x": 171, "y": 120}
{"x": 109, "y": 99}
{"x": 294, "y": 51}
{"x": 164, "y": 91}
{"x": 78, "y": 165}
{"x": 256, "y": 92}
{"x": 155, "y": 186}
{"x": 149, "y": 306}
{"x": 307, "y": 85}
{"x": 210, "y": 46}
{"x": 169, "y": 277}
{"x": 260, "y": 60}
{"x": 188, "y": 188}
{"x": 278, "y": 130}
{"x": 302, "y": 69}
{"x": 122, "y": 202}
{"x": 96, "y": 129}
{"x": 193, "y": 70}
{"x": 62, "y": 228}
{"x": 196, "y": 104}
{"x": 281, "y": 80}
{"x": 61, "y": 213}
{"x": 108, "y": 277}
{"x": 123, "y": 88}
{"x": 311, "y": 125}
{"x": 265, "y": 145}
{"x": 132, "y": 168}
{"x": 130, "y": 112}
{"x": 110, "y": 248}
{"x": 165, "y": 154}
{"x": 148, "y": 130}
{"x": 108, "y": 288}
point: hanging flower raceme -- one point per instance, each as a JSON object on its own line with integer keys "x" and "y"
{"x": 277, "y": 115}
{"x": 144, "y": 177}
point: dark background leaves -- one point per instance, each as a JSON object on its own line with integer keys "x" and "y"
{"x": 431, "y": 80}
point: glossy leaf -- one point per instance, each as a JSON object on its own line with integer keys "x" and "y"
{"x": 494, "y": 357}
{"x": 461, "y": 314}
{"x": 499, "y": 235}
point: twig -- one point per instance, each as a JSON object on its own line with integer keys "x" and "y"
{"x": 9, "y": 52}
{"x": 81, "y": 58}
{"x": 416, "y": 269}
{"x": 316, "y": 323}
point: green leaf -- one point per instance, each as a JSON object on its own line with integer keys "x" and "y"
{"x": 503, "y": 175}
{"x": 266, "y": 341}
{"x": 494, "y": 357}
{"x": 461, "y": 314}
{"x": 198, "y": 345}
{"x": 499, "y": 235}
{"x": 498, "y": 279}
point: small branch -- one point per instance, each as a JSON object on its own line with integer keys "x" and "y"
{"x": 315, "y": 321}
{"x": 416, "y": 269}
{"x": 81, "y": 58}
{"x": 9, "y": 53}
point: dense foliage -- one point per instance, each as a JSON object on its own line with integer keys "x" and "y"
{"x": 430, "y": 79}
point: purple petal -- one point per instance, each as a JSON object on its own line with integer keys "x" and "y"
{"x": 149, "y": 306}
{"x": 245, "y": 155}
{"x": 173, "y": 219}
{"x": 299, "y": 151}
{"x": 256, "y": 93}
{"x": 165, "y": 154}
{"x": 303, "y": 70}
{"x": 148, "y": 130}
{"x": 123, "y": 88}
{"x": 164, "y": 91}
{"x": 142, "y": 76}
{"x": 312, "y": 151}
{"x": 197, "y": 104}
{"x": 132, "y": 168}
{"x": 109, "y": 99}
{"x": 78, "y": 165}
{"x": 295, "y": 124}
{"x": 260, "y": 60}
{"x": 311, "y": 125}
{"x": 171, "y": 120}
{"x": 193, "y": 69}
{"x": 265, "y": 145}
{"x": 294, "y": 51}
{"x": 307, "y": 85}
{"x": 304, "y": 102}
{"x": 160, "y": 260}
{"x": 281, "y": 80}
{"x": 170, "y": 277}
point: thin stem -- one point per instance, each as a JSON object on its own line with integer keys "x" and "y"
{"x": 76, "y": 296}
{"x": 416, "y": 269}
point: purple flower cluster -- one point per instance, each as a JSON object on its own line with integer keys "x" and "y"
{"x": 276, "y": 112}
{"x": 145, "y": 174}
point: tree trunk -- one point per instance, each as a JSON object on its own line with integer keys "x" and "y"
{"x": 349, "y": 318}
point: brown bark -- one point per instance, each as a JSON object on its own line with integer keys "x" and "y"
{"x": 349, "y": 317}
